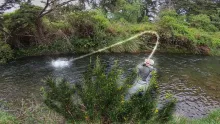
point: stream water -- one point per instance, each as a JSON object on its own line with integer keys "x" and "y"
{"x": 194, "y": 80}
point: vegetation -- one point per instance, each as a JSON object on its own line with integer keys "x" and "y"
{"x": 66, "y": 28}
{"x": 212, "y": 118}
{"x": 54, "y": 118}
{"x": 101, "y": 97}
{"x": 6, "y": 53}
{"x": 6, "y": 118}
{"x": 30, "y": 112}
{"x": 197, "y": 35}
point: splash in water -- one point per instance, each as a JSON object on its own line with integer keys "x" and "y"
{"x": 60, "y": 63}
{"x": 124, "y": 41}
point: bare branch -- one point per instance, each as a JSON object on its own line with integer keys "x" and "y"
{"x": 44, "y": 11}
{"x": 64, "y": 3}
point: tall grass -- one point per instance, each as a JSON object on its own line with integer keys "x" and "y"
{"x": 30, "y": 112}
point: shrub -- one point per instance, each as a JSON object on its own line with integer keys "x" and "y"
{"x": 100, "y": 97}
{"x": 174, "y": 31}
{"x": 21, "y": 25}
{"x": 215, "y": 20}
{"x": 130, "y": 11}
{"x": 90, "y": 26}
{"x": 54, "y": 26}
{"x": 6, "y": 53}
{"x": 177, "y": 32}
{"x": 202, "y": 22}
{"x": 58, "y": 46}
{"x": 86, "y": 24}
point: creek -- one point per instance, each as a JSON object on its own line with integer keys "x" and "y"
{"x": 194, "y": 80}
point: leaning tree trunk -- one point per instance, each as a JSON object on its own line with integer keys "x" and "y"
{"x": 40, "y": 36}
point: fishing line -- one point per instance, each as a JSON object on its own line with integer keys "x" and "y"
{"x": 124, "y": 41}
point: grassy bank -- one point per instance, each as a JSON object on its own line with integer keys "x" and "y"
{"x": 86, "y": 31}
{"x": 51, "y": 117}
{"x": 212, "y": 118}
{"x": 30, "y": 112}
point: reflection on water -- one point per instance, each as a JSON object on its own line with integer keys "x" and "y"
{"x": 194, "y": 80}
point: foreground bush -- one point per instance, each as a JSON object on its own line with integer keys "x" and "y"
{"x": 100, "y": 97}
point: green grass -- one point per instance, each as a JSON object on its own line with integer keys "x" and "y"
{"x": 31, "y": 112}
{"x": 212, "y": 118}
{"x": 6, "y": 118}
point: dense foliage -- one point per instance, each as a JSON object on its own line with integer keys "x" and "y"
{"x": 21, "y": 26}
{"x": 102, "y": 97}
{"x": 195, "y": 33}
{"x": 58, "y": 27}
{"x": 6, "y": 52}
{"x": 184, "y": 26}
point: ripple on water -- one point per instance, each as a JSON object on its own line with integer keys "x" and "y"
{"x": 194, "y": 80}
{"x": 193, "y": 101}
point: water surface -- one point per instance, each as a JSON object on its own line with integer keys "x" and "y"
{"x": 194, "y": 80}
